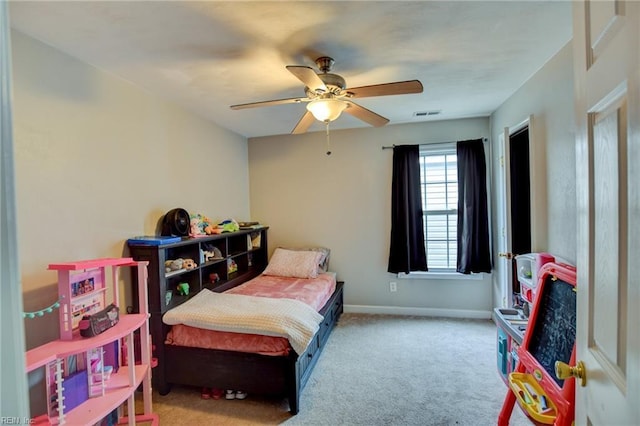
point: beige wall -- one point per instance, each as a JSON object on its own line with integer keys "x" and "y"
{"x": 98, "y": 161}
{"x": 548, "y": 96}
{"x": 343, "y": 202}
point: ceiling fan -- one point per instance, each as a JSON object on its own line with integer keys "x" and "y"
{"x": 328, "y": 96}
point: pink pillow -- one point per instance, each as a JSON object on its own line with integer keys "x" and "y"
{"x": 294, "y": 264}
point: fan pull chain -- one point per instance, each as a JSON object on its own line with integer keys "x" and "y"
{"x": 328, "y": 139}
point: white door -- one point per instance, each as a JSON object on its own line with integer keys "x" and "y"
{"x": 503, "y": 264}
{"x": 607, "y": 101}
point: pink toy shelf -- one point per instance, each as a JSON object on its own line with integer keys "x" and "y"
{"x": 83, "y": 291}
{"x": 87, "y": 379}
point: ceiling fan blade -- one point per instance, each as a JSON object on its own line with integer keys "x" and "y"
{"x": 304, "y": 123}
{"x": 398, "y": 88}
{"x": 269, "y": 103}
{"x": 308, "y": 76}
{"x": 366, "y": 115}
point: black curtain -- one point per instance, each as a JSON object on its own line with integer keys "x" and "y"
{"x": 407, "y": 251}
{"x": 473, "y": 221}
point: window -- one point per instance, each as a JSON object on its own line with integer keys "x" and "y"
{"x": 439, "y": 185}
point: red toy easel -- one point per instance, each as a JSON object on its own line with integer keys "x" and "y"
{"x": 550, "y": 337}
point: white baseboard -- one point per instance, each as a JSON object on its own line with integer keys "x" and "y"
{"x": 426, "y": 312}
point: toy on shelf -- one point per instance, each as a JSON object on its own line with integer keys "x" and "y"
{"x": 183, "y": 289}
{"x": 209, "y": 253}
{"x": 232, "y": 266}
{"x": 189, "y": 264}
{"x": 201, "y": 225}
{"x": 94, "y": 324}
{"x": 175, "y": 265}
{"x": 229, "y": 225}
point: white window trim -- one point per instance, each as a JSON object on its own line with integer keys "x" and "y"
{"x": 441, "y": 275}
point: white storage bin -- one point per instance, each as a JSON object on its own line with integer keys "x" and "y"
{"x": 527, "y": 266}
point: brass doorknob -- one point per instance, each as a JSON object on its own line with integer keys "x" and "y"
{"x": 564, "y": 371}
{"x": 507, "y": 255}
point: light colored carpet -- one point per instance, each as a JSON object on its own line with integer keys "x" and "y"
{"x": 376, "y": 370}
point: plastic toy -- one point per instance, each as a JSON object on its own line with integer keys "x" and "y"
{"x": 541, "y": 388}
{"x": 232, "y": 266}
{"x": 183, "y": 289}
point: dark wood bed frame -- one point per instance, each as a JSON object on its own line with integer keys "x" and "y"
{"x": 253, "y": 373}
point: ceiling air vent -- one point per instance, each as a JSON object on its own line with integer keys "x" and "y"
{"x": 426, "y": 113}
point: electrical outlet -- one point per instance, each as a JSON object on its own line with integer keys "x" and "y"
{"x": 393, "y": 286}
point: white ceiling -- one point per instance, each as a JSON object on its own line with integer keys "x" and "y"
{"x": 469, "y": 55}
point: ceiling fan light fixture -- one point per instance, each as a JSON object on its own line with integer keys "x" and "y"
{"x": 326, "y": 110}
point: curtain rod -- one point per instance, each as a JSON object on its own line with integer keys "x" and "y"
{"x": 431, "y": 144}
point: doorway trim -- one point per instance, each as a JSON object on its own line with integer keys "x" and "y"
{"x": 538, "y": 202}
{"x": 537, "y": 179}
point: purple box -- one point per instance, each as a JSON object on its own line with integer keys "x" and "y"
{"x": 76, "y": 390}
{"x": 111, "y": 355}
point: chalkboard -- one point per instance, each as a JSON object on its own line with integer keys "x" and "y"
{"x": 554, "y": 332}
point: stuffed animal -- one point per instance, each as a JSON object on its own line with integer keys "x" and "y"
{"x": 173, "y": 265}
{"x": 201, "y": 225}
{"x": 210, "y": 252}
{"x": 208, "y": 255}
{"x": 195, "y": 228}
{"x": 229, "y": 225}
{"x": 189, "y": 264}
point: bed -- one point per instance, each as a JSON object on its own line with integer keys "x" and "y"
{"x": 216, "y": 339}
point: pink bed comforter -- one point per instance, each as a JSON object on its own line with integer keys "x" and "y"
{"x": 314, "y": 292}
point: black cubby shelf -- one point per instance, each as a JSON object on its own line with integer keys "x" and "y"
{"x": 247, "y": 248}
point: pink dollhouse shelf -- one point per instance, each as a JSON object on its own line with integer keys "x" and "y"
{"x": 85, "y": 287}
{"x": 48, "y": 352}
{"x": 118, "y": 390}
{"x": 90, "y": 264}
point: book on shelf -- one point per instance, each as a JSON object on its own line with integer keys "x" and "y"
{"x": 249, "y": 225}
{"x": 152, "y": 240}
